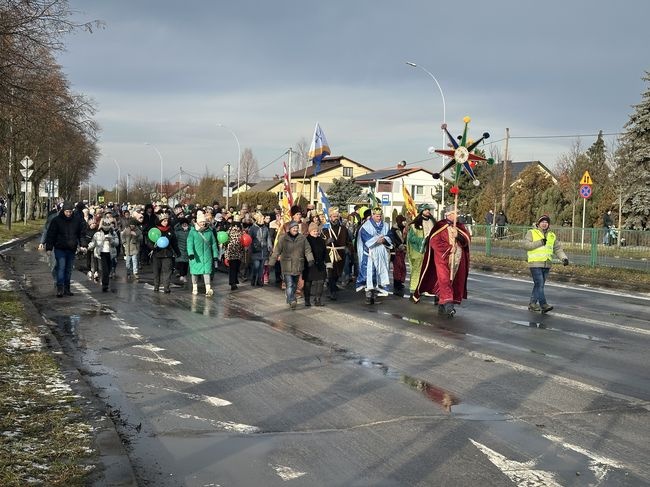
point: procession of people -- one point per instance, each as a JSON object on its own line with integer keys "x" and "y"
{"x": 311, "y": 256}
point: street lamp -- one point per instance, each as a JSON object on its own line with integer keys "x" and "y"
{"x": 118, "y": 181}
{"x": 238, "y": 159}
{"x": 444, "y": 121}
{"x": 161, "y": 165}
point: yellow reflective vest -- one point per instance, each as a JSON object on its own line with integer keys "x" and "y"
{"x": 545, "y": 252}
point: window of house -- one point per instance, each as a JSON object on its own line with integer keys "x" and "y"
{"x": 417, "y": 191}
{"x": 385, "y": 187}
{"x": 347, "y": 172}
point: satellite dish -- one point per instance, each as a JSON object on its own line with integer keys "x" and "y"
{"x": 401, "y": 164}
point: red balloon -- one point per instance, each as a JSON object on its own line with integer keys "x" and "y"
{"x": 226, "y": 262}
{"x": 245, "y": 239}
{"x": 454, "y": 190}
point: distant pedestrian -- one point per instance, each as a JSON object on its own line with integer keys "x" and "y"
{"x": 542, "y": 244}
{"x": 234, "y": 252}
{"x": 608, "y": 223}
{"x": 501, "y": 221}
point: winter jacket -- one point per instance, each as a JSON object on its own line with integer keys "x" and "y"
{"x": 262, "y": 245}
{"x": 131, "y": 240}
{"x": 181, "y": 237}
{"x": 234, "y": 248}
{"x": 317, "y": 271}
{"x": 104, "y": 241}
{"x": 292, "y": 251}
{"x": 64, "y": 233}
{"x": 201, "y": 250}
{"x": 171, "y": 250}
{"x": 540, "y": 253}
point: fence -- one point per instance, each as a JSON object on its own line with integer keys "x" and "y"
{"x": 585, "y": 246}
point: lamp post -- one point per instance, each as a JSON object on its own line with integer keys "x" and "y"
{"x": 444, "y": 121}
{"x": 238, "y": 158}
{"x": 161, "y": 165}
{"x": 127, "y": 187}
{"x": 117, "y": 186}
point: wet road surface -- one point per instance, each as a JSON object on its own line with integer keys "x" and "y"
{"x": 236, "y": 389}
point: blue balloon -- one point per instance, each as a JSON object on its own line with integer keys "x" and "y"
{"x": 162, "y": 242}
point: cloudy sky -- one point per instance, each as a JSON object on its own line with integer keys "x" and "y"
{"x": 169, "y": 72}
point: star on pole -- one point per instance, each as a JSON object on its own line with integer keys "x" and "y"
{"x": 462, "y": 156}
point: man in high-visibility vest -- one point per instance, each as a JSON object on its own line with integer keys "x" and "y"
{"x": 541, "y": 245}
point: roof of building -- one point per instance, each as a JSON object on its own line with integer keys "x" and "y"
{"x": 265, "y": 185}
{"x": 391, "y": 173}
{"x": 328, "y": 163}
{"x": 517, "y": 167}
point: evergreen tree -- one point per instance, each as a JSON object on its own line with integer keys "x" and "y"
{"x": 526, "y": 202}
{"x": 341, "y": 191}
{"x": 633, "y": 165}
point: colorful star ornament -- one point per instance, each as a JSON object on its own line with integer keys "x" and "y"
{"x": 462, "y": 156}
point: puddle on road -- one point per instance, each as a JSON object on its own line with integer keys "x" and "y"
{"x": 543, "y": 326}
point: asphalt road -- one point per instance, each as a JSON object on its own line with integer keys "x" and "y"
{"x": 237, "y": 389}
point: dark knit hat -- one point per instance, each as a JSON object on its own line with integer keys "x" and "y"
{"x": 67, "y": 205}
{"x": 295, "y": 209}
{"x": 292, "y": 224}
{"x": 544, "y": 218}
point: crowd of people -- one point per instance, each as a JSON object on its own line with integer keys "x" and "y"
{"x": 306, "y": 252}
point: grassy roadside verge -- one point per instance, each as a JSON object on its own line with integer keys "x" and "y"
{"x": 607, "y": 277}
{"x": 44, "y": 439}
{"x": 19, "y": 229}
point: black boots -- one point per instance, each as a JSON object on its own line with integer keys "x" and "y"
{"x": 66, "y": 291}
{"x": 59, "y": 291}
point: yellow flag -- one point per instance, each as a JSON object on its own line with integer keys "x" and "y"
{"x": 408, "y": 201}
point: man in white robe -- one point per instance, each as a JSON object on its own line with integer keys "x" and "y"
{"x": 373, "y": 248}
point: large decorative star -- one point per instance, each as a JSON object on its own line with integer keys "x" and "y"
{"x": 462, "y": 156}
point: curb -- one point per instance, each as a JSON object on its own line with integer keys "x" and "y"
{"x": 113, "y": 464}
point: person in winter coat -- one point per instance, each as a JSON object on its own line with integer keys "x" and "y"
{"x": 202, "y": 252}
{"x": 161, "y": 257}
{"x": 63, "y": 237}
{"x": 399, "y": 255}
{"x": 104, "y": 246}
{"x": 292, "y": 250}
{"x": 261, "y": 248}
{"x": 315, "y": 275}
{"x": 234, "y": 252}
{"x": 132, "y": 241}
{"x": 182, "y": 230}
{"x": 541, "y": 244}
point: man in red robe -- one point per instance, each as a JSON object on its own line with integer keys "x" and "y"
{"x": 445, "y": 265}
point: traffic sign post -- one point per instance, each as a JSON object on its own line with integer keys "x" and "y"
{"x": 25, "y": 186}
{"x": 585, "y": 193}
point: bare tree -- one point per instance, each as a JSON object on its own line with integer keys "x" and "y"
{"x": 249, "y": 167}
{"x": 301, "y": 153}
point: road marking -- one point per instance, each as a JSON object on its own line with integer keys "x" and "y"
{"x": 156, "y": 360}
{"x": 599, "y": 465}
{"x": 521, "y": 473}
{"x": 226, "y": 425}
{"x": 573, "y": 287}
{"x": 148, "y": 346}
{"x": 287, "y": 473}
{"x": 189, "y": 379}
{"x": 214, "y": 401}
{"x": 604, "y": 324}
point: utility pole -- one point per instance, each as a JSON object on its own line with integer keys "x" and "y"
{"x": 10, "y": 184}
{"x": 290, "y": 169}
{"x": 228, "y": 185}
{"x": 505, "y": 172}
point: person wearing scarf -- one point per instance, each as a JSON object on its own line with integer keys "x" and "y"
{"x": 373, "y": 248}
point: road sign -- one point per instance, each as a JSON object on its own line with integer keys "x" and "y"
{"x": 22, "y": 186}
{"x": 27, "y": 173}
{"x": 585, "y": 191}
{"x": 586, "y": 178}
{"x": 26, "y": 162}
{"x": 225, "y": 191}
{"x": 385, "y": 199}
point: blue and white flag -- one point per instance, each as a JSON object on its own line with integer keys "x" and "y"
{"x": 319, "y": 148}
{"x": 326, "y": 206}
